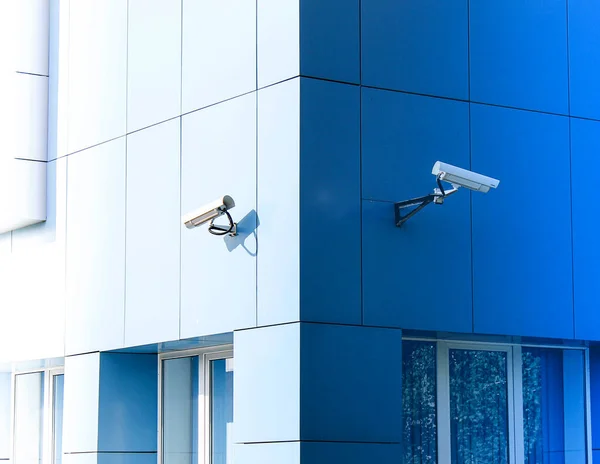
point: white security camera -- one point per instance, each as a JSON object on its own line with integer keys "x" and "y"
{"x": 459, "y": 177}
{"x": 210, "y": 212}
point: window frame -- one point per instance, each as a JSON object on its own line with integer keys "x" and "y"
{"x": 516, "y": 450}
{"x": 47, "y": 436}
{"x": 205, "y": 355}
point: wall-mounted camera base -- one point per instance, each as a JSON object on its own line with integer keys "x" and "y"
{"x": 230, "y": 230}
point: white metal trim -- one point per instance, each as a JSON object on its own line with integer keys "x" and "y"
{"x": 518, "y": 438}
{"x": 444, "y": 442}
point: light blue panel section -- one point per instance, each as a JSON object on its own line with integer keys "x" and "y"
{"x": 508, "y": 66}
{"x": 153, "y": 62}
{"x": 97, "y": 83}
{"x": 267, "y": 384}
{"x": 574, "y": 406}
{"x": 28, "y": 425}
{"x": 126, "y": 458}
{"x": 152, "y": 251}
{"x": 279, "y": 203}
{"x": 58, "y": 391}
{"x": 267, "y": 453}
{"x": 219, "y": 51}
{"x": 330, "y": 199}
{"x": 96, "y": 248}
{"x": 584, "y": 58}
{"x": 278, "y": 35}
{"x": 5, "y": 399}
{"x": 350, "y": 453}
{"x": 85, "y": 458}
{"x": 402, "y": 137}
{"x": 329, "y": 39}
{"x": 128, "y": 409}
{"x": 585, "y": 146}
{"x": 350, "y": 391}
{"x": 416, "y": 45}
{"x": 219, "y": 158}
{"x": 80, "y": 415}
{"x": 522, "y": 243}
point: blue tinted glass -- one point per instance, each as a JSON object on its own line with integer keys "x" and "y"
{"x": 57, "y": 408}
{"x": 478, "y": 407}
{"x": 180, "y": 410}
{"x": 553, "y": 406}
{"x": 419, "y": 402}
{"x": 221, "y": 410}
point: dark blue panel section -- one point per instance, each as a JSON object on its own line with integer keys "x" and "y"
{"x": 329, "y": 39}
{"x": 595, "y": 395}
{"x": 329, "y": 202}
{"x": 519, "y": 54}
{"x": 584, "y": 57}
{"x": 128, "y": 409}
{"x": 418, "y": 46}
{"x": 126, "y": 458}
{"x": 406, "y": 271}
{"x": 585, "y": 149}
{"x": 350, "y": 384}
{"x": 522, "y": 231}
{"x": 349, "y": 453}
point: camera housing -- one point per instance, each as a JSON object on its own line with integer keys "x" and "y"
{"x": 209, "y": 212}
{"x": 460, "y": 177}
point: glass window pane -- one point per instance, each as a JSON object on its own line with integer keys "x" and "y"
{"x": 180, "y": 410}
{"x": 553, "y": 405}
{"x": 29, "y": 401}
{"x": 57, "y": 409}
{"x": 221, "y": 410}
{"x": 419, "y": 402}
{"x": 478, "y": 407}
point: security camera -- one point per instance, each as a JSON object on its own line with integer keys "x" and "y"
{"x": 459, "y": 177}
{"x": 210, "y": 212}
{"x": 455, "y": 176}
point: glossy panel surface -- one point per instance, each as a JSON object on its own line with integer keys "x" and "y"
{"x": 218, "y": 274}
{"x": 417, "y": 46}
{"x": 267, "y": 384}
{"x": 518, "y": 54}
{"x": 153, "y": 62}
{"x": 97, "y": 72}
{"x": 96, "y": 248}
{"x": 219, "y": 51}
{"x": 585, "y": 146}
{"x": 278, "y": 293}
{"x": 329, "y": 199}
{"x": 82, "y": 398}
{"x": 521, "y": 245}
{"x": 152, "y": 243}
{"x": 402, "y": 137}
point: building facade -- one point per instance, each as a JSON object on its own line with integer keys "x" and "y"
{"x": 321, "y": 332}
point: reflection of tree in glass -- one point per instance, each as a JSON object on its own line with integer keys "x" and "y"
{"x": 419, "y": 402}
{"x": 478, "y": 407}
{"x": 532, "y": 411}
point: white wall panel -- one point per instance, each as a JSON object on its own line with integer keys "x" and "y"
{"x": 96, "y": 248}
{"x": 279, "y": 203}
{"x": 5, "y": 245}
{"x": 5, "y": 397}
{"x": 153, "y": 227}
{"x": 218, "y": 281}
{"x": 154, "y": 62}
{"x": 82, "y": 397}
{"x": 62, "y": 78}
{"x": 97, "y": 72}
{"x": 31, "y": 40}
{"x": 219, "y": 51}
{"x": 278, "y": 40}
{"x": 31, "y": 117}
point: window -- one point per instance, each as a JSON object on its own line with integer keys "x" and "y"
{"x": 196, "y": 408}
{"x": 37, "y": 417}
{"x": 470, "y": 403}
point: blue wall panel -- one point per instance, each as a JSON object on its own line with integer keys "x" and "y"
{"x": 522, "y": 231}
{"x": 329, "y": 202}
{"x": 585, "y": 150}
{"x": 350, "y": 453}
{"x": 584, "y": 57}
{"x": 518, "y": 54}
{"x": 402, "y": 137}
{"x": 329, "y": 39}
{"x": 595, "y": 395}
{"x": 419, "y": 46}
{"x": 350, "y": 384}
